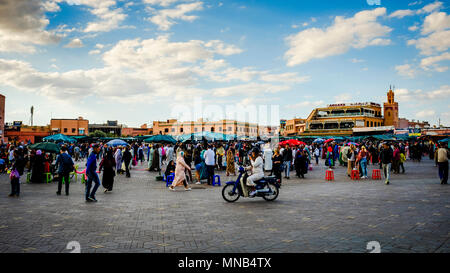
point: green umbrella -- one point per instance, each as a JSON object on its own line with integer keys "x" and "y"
{"x": 161, "y": 139}
{"x": 45, "y": 146}
{"x": 59, "y": 138}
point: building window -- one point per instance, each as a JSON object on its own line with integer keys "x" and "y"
{"x": 229, "y": 129}
{"x": 181, "y": 130}
{"x": 367, "y": 124}
{"x": 65, "y": 130}
{"x": 173, "y": 130}
{"x": 212, "y": 129}
{"x": 220, "y": 129}
{"x": 166, "y": 130}
{"x": 74, "y": 130}
{"x": 195, "y": 129}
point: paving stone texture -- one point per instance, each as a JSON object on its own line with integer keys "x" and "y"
{"x": 310, "y": 215}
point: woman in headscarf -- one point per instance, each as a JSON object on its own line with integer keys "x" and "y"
{"x": 329, "y": 157}
{"x": 150, "y": 157}
{"x": 37, "y": 175}
{"x": 107, "y": 164}
{"x": 299, "y": 163}
{"x": 230, "y": 162}
{"x": 180, "y": 173}
{"x": 170, "y": 168}
{"x": 156, "y": 159}
{"x": 118, "y": 158}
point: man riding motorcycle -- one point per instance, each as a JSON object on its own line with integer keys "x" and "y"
{"x": 257, "y": 172}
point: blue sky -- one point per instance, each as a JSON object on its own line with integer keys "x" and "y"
{"x": 143, "y": 60}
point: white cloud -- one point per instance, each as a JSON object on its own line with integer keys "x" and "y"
{"x": 401, "y": 13}
{"x": 223, "y": 49}
{"x": 346, "y": 97}
{"x": 404, "y": 95}
{"x": 415, "y": 3}
{"x": 149, "y": 69}
{"x": 285, "y": 77}
{"x": 360, "y": 31}
{"x": 95, "y": 51}
{"x": 428, "y": 62}
{"x": 355, "y": 61}
{"x": 425, "y": 114}
{"x": 110, "y": 17}
{"x": 413, "y": 28}
{"x": 408, "y": 12}
{"x": 165, "y": 18}
{"x": 249, "y": 89}
{"x": 432, "y": 44}
{"x": 436, "y": 22}
{"x": 163, "y": 3}
{"x": 306, "y": 104}
{"x": 75, "y": 43}
{"x": 437, "y": 27}
{"x": 23, "y": 24}
{"x": 405, "y": 70}
{"x": 430, "y": 8}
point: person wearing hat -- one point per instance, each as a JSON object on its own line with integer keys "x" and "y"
{"x": 256, "y": 168}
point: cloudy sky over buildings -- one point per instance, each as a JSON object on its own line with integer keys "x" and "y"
{"x": 135, "y": 61}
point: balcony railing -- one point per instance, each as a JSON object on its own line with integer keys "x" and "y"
{"x": 349, "y": 115}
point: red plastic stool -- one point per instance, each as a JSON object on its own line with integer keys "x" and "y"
{"x": 376, "y": 174}
{"x": 329, "y": 175}
{"x": 355, "y": 175}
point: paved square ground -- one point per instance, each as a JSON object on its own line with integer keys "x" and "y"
{"x": 311, "y": 215}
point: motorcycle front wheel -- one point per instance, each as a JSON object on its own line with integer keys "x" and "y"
{"x": 274, "y": 194}
{"x": 228, "y": 195}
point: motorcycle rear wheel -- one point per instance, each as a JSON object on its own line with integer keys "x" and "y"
{"x": 227, "y": 194}
{"x": 274, "y": 196}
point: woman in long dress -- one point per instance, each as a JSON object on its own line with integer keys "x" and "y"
{"x": 150, "y": 157}
{"x": 37, "y": 174}
{"x": 156, "y": 160}
{"x": 230, "y": 162}
{"x": 118, "y": 158}
{"x": 180, "y": 173}
{"x": 107, "y": 164}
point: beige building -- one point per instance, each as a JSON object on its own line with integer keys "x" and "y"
{"x": 340, "y": 119}
{"x": 294, "y": 127}
{"x": 174, "y": 127}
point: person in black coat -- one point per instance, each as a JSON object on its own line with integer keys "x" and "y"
{"x": 386, "y": 157}
{"x": 37, "y": 174}
{"x": 127, "y": 159}
{"x": 108, "y": 164}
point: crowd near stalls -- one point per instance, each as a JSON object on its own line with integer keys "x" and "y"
{"x": 196, "y": 158}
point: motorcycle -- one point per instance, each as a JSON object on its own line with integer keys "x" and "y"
{"x": 267, "y": 188}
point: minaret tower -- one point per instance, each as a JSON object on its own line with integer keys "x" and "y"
{"x": 391, "y": 110}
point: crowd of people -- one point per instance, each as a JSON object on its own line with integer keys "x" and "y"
{"x": 206, "y": 158}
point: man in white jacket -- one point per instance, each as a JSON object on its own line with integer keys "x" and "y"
{"x": 256, "y": 169}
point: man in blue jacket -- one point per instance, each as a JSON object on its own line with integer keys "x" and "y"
{"x": 65, "y": 166}
{"x": 91, "y": 172}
